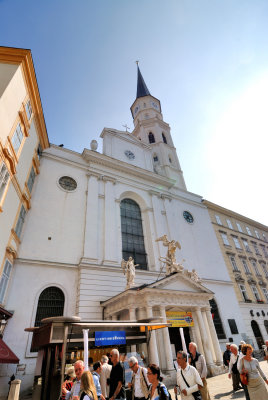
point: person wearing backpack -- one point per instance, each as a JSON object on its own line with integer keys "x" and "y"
{"x": 139, "y": 382}
{"x": 158, "y": 390}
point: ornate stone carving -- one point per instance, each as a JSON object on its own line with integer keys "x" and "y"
{"x": 170, "y": 259}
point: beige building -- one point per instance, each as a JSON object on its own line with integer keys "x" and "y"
{"x": 23, "y": 136}
{"x": 244, "y": 245}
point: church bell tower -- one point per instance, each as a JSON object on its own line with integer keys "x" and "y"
{"x": 151, "y": 129}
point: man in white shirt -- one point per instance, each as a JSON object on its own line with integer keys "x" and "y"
{"x": 75, "y": 391}
{"x": 104, "y": 376}
{"x": 188, "y": 374}
{"x": 139, "y": 381}
{"x": 233, "y": 371}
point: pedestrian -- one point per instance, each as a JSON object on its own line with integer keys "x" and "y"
{"x": 266, "y": 350}
{"x": 227, "y": 355}
{"x": 68, "y": 382}
{"x": 233, "y": 371}
{"x": 157, "y": 389}
{"x": 139, "y": 381}
{"x": 96, "y": 378}
{"x": 198, "y": 361}
{"x": 75, "y": 390}
{"x": 188, "y": 379}
{"x": 88, "y": 390}
{"x": 256, "y": 387}
{"x": 117, "y": 377}
{"x": 105, "y": 376}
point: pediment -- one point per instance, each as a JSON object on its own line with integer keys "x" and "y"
{"x": 179, "y": 281}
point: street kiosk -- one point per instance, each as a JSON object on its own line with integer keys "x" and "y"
{"x": 61, "y": 341}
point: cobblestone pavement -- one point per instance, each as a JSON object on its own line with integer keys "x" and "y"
{"x": 220, "y": 387}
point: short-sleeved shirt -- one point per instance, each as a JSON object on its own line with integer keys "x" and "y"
{"x": 117, "y": 375}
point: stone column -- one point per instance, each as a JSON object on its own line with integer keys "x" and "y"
{"x": 153, "y": 352}
{"x": 167, "y": 347}
{"x": 132, "y": 317}
{"x": 199, "y": 343}
{"x": 207, "y": 352}
{"x": 214, "y": 338}
{"x": 110, "y": 243}
{"x": 211, "y": 346}
{"x": 14, "y": 390}
{"x": 91, "y": 223}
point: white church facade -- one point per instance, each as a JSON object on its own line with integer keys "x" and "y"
{"x": 90, "y": 210}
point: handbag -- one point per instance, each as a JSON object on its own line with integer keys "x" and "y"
{"x": 197, "y": 394}
{"x": 244, "y": 376}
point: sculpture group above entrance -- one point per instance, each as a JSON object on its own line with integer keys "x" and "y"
{"x": 170, "y": 260}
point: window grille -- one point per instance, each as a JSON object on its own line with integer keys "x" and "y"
{"x": 20, "y": 221}
{"x": 17, "y": 138}
{"x": 217, "y": 320}
{"x": 31, "y": 180}
{"x": 132, "y": 233}
{"x": 4, "y": 280}
{"x": 50, "y": 304}
{"x": 4, "y": 175}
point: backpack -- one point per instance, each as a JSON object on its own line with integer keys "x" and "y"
{"x": 163, "y": 390}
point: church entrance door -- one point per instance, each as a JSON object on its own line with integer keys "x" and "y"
{"x": 175, "y": 337}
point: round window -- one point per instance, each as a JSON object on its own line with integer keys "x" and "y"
{"x": 67, "y": 183}
{"x": 188, "y": 217}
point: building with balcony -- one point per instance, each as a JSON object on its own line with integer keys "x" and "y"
{"x": 244, "y": 246}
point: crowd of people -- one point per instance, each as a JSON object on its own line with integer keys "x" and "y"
{"x": 106, "y": 381}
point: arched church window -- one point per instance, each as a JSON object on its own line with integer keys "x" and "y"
{"x": 217, "y": 319}
{"x": 266, "y": 325}
{"x": 151, "y": 138}
{"x": 164, "y": 138}
{"x": 50, "y": 304}
{"x": 132, "y": 233}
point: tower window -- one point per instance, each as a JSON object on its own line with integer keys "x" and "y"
{"x": 170, "y": 160}
{"x": 164, "y": 138}
{"x": 151, "y": 138}
{"x": 155, "y": 158}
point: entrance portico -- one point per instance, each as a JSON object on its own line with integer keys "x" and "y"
{"x": 176, "y": 292}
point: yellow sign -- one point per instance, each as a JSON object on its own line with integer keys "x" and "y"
{"x": 180, "y": 318}
{"x": 152, "y": 328}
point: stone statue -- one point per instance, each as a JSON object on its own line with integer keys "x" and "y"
{"x": 170, "y": 259}
{"x": 129, "y": 270}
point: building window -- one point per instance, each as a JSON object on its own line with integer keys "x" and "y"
{"x": 28, "y": 109}
{"x": 264, "y": 269}
{"x": 254, "y": 264}
{"x": 17, "y": 138}
{"x": 245, "y": 265}
{"x": 246, "y": 245}
{"x": 248, "y": 230}
{"x": 155, "y": 158}
{"x": 236, "y": 242}
{"x": 257, "y": 251}
{"x": 262, "y": 247}
{"x": 229, "y": 224}
{"x": 255, "y": 292}
{"x": 31, "y": 179}
{"x": 266, "y": 325}
{"x": 4, "y": 280}
{"x": 239, "y": 227}
{"x": 233, "y": 262}
{"x": 4, "y": 176}
{"x": 151, "y": 138}
{"x": 243, "y": 292}
{"x": 225, "y": 239}
{"x": 217, "y": 319}
{"x": 264, "y": 237}
{"x": 50, "y": 304}
{"x": 265, "y": 292}
{"x": 164, "y": 138}
{"x": 132, "y": 233}
{"x": 170, "y": 159}
{"x": 20, "y": 221}
{"x": 257, "y": 234}
{"x": 233, "y": 326}
{"x": 218, "y": 220}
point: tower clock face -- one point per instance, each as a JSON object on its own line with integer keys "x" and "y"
{"x": 188, "y": 217}
{"x": 129, "y": 154}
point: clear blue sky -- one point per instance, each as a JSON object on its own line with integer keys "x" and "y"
{"x": 207, "y": 62}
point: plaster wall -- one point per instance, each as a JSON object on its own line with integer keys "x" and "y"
{"x": 6, "y": 72}
{"x": 11, "y": 101}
